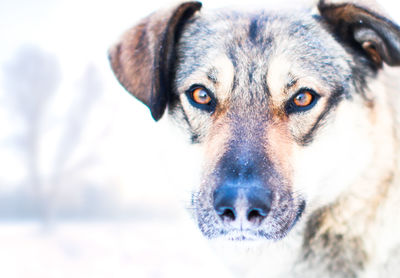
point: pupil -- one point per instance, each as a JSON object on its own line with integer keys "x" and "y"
{"x": 301, "y": 97}
{"x": 203, "y": 94}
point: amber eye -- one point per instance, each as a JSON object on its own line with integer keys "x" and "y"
{"x": 304, "y": 100}
{"x": 201, "y": 96}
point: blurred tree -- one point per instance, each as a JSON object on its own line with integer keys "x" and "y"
{"x": 31, "y": 82}
{"x": 89, "y": 91}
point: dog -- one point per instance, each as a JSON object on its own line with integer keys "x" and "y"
{"x": 297, "y": 113}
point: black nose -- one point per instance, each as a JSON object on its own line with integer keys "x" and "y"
{"x": 243, "y": 204}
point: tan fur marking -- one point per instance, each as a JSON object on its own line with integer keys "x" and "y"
{"x": 224, "y": 71}
{"x": 198, "y": 77}
{"x": 225, "y": 74}
{"x": 277, "y": 77}
{"x": 216, "y": 143}
{"x": 279, "y": 148}
{"x": 282, "y": 72}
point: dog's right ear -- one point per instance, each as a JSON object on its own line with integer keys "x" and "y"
{"x": 143, "y": 59}
{"x": 364, "y": 23}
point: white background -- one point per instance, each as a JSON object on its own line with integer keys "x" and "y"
{"x": 136, "y": 156}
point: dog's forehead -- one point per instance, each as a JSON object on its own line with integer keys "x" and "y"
{"x": 261, "y": 48}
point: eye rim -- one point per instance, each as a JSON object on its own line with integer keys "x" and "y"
{"x": 292, "y": 107}
{"x": 209, "y": 107}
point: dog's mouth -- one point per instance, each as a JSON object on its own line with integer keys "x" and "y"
{"x": 241, "y": 235}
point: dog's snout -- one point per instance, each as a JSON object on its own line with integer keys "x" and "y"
{"x": 241, "y": 205}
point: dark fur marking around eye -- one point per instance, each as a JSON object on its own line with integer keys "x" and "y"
{"x": 194, "y": 136}
{"x": 212, "y": 75}
{"x": 291, "y": 83}
{"x": 337, "y": 95}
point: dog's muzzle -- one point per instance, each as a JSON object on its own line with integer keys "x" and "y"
{"x": 245, "y": 198}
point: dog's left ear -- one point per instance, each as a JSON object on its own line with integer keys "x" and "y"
{"x": 362, "y": 22}
{"x": 143, "y": 60}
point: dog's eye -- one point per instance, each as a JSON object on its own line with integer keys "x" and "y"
{"x": 304, "y": 100}
{"x": 201, "y": 96}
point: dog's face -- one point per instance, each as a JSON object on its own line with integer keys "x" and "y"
{"x": 263, "y": 96}
{"x": 278, "y": 102}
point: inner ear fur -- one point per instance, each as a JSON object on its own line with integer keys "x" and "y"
{"x": 143, "y": 59}
{"x": 365, "y": 23}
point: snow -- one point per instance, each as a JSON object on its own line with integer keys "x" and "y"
{"x": 164, "y": 248}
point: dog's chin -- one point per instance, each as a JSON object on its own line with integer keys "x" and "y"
{"x": 246, "y": 235}
{"x": 249, "y": 235}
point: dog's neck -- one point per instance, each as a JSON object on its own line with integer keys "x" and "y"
{"x": 350, "y": 230}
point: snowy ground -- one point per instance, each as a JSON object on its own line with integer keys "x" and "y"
{"x": 106, "y": 249}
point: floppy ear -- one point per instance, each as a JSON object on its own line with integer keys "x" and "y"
{"x": 364, "y": 23}
{"x": 143, "y": 59}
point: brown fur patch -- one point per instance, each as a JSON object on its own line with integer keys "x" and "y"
{"x": 279, "y": 148}
{"x": 131, "y": 60}
{"x": 216, "y": 143}
{"x": 225, "y": 74}
{"x": 330, "y": 251}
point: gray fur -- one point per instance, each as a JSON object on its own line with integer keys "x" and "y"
{"x": 295, "y": 33}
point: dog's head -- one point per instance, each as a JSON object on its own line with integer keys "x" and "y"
{"x": 280, "y": 102}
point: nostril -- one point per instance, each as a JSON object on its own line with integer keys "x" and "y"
{"x": 227, "y": 213}
{"x": 256, "y": 215}
{"x": 242, "y": 204}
